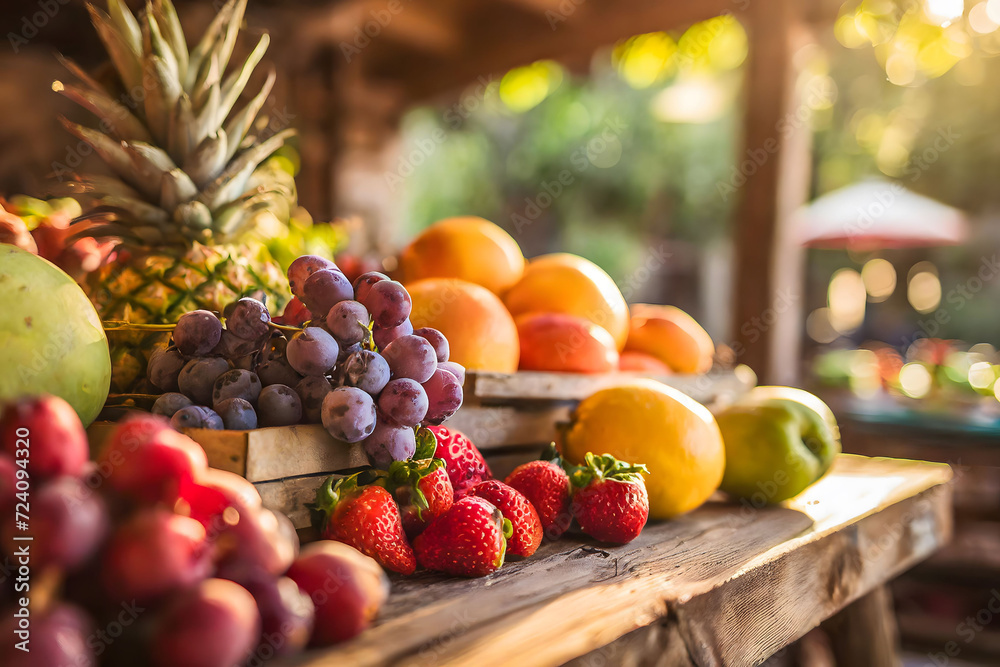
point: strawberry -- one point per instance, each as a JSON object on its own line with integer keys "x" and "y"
{"x": 468, "y": 541}
{"x": 464, "y": 462}
{"x": 546, "y": 486}
{"x": 423, "y": 491}
{"x": 515, "y": 507}
{"x": 366, "y": 518}
{"x": 609, "y": 499}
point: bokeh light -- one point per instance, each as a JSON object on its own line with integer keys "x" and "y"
{"x": 691, "y": 100}
{"x": 846, "y": 298}
{"x": 879, "y": 277}
{"x": 923, "y": 290}
{"x": 524, "y": 88}
{"x": 944, "y": 12}
{"x": 819, "y": 328}
{"x": 915, "y": 380}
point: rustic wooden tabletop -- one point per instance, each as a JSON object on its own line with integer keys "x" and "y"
{"x": 728, "y": 584}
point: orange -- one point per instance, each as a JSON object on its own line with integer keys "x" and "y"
{"x": 647, "y": 422}
{"x": 565, "y": 283}
{"x": 467, "y": 248}
{"x": 565, "y": 343}
{"x": 480, "y": 331}
{"x": 672, "y": 336}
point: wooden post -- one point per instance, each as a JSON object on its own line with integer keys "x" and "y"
{"x": 775, "y": 166}
{"x": 865, "y": 632}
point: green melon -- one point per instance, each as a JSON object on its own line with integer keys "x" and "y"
{"x": 51, "y": 339}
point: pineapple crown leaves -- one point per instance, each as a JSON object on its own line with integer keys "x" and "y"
{"x": 190, "y": 167}
{"x": 604, "y": 467}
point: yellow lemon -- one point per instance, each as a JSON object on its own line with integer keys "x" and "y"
{"x": 648, "y": 422}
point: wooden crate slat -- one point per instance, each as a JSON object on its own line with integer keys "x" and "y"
{"x": 290, "y": 496}
{"x": 534, "y": 385}
{"x": 501, "y": 426}
{"x": 275, "y": 453}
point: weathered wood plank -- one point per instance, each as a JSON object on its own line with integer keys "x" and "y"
{"x": 535, "y": 385}
{"x": 502, "y": 426}
{"x": 290, "y": 496}
{"x": 741, "y": 582}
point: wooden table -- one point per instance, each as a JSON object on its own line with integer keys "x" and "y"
{"x": 724, "y": 585}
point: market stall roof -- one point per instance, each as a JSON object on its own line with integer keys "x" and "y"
{"x": 878, "y": 213}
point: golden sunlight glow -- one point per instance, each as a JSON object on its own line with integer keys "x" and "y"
{"x": 690, "y": 100}
{"x": 879, "y": 277}
{"x": 846, "y": 299}
{"x": 981, "y": 375}
{"x": 923, "y": 290}
{"x": 943, "y": 12}
{"x": 524, "y": 88}
{"x": 915, "y": 380}
{"x": 980, "y": 19}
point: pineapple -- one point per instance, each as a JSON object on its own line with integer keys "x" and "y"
{"x": 194, "y": 196}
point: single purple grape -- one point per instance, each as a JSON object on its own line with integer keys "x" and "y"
{"x": 277, "y": 371}
{"x": 389, "y": 303}
{"x": 197, "y": 333}
{"x": 164, "y": 367}
{"x": 444, "y": 396}
{"x": 383, "y": 336}
{"x": 403, "y": 401}
{"x": 348, "y": 322}
{"x": 389, "y": 443}
{"x": 312, "y": 351}
{"x": 455, "y": 368}
{"x": 367, "y": 371}
{"x": 278, "y": 405}
{"x": 437, "y": 340}
{"x": 324, "y": 289}
{"x": 349, "y": 414}
{"x": 411, "y": 357}
{"x": 169, "y": 403}
{"x": 303, "y": 267}
{"x": 312, "y": 390}
{"x": 233, "y": 347}
{"x": 197, "y": 378}
{"x": 363, "y": 283}
{"x": 249, "y": 319}
{"x": 196, "y": 416}
{"x": 237, "y": 414}
{"x": 237, "y": 383}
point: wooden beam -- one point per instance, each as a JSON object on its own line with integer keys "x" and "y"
{"x": 774, "y": 172}
{"x": 505, "y": 41}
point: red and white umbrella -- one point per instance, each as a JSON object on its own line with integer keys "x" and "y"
{"x": 879, "y": 214}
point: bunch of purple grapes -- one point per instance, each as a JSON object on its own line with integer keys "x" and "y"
{"x": 358, "y": 366}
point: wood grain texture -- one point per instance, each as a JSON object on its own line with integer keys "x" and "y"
{"x": 490, "y": 388}
{"x": 732, "y": 583}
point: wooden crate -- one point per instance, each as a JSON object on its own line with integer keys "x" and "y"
{"x": 511, "y": 417}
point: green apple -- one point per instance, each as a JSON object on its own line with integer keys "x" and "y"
{"x": 779, "y": 440}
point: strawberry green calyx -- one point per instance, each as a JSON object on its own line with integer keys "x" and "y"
{"x": 597, "y": 468}
{"x": 333, "y": 491}
{"x": 551, "y": 453}
{"x": 408, "y": 474}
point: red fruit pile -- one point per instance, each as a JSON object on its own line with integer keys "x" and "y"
{"x": 147, "y": 556}
{"x": 442, "y": 510}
